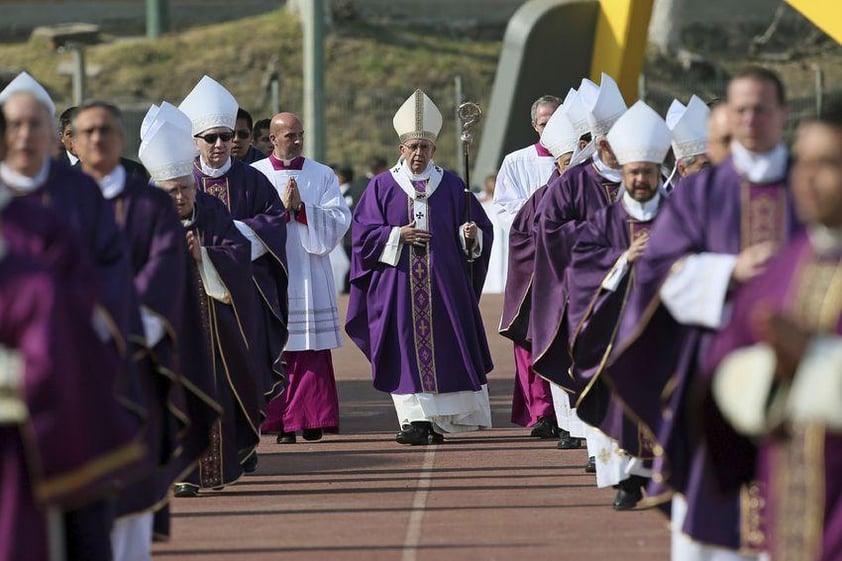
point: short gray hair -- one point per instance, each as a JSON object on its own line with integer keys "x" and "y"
{"x": 543, "y": 100}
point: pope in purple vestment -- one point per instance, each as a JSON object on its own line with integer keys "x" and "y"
{"x": 568, "y": 203}
{"x": 251, "y": 199}
{"x": 382, "y": 316}
{"x": 712, "y": 217}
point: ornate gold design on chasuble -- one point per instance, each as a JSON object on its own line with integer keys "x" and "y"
{"x": 798, "y": 462}
{"x": 752, "y": 514}
{"x": 612, "y": 190}
{"x": 420, "y": 293}
{"x": 763, "y": 214}
{"x": 210, "y": 464}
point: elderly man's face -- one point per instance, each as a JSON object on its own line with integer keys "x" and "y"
{"x": 98, "y": 139}
{"x": 417, "y": 153}
{"x": 242, "y": 138}
{"x": 816, "y": 177}
{"x": 30, "y": 136}
{"x": 641, "y": 180}
{"x": 757, "y": 118}
{"x": 563, "y": 161}
{"x": 693, "y": 164}
{"x": 215, "y": 146}
{"x": 183, "y": 193}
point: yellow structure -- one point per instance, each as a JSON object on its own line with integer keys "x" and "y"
{"x": 825, "y": 14}
{"x": 620, "y": 42}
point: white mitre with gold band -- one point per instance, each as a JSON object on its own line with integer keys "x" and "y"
{"x": 148, "y": 119}
{"x": 689, "y": 127}
{"x": 640, "y": 135}
{"x": 604, "y": 108}
{"x": 418, "y": 117}
{"x": 167, "y": 151}
{"x": 23, "y": 82}
{"x": 210, "y": 105}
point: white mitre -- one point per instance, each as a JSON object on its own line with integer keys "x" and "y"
{"x": 148, "y": 119}
{"x": 210, "y": 105}
{"x": 575, "y": 110}
{"x": 23, "y": 82}
{"x": 640, "y": 135}
{"x": 167, "y": 151}
{"x": 689, "y": 127}
{"x": 559, "y": 136}
{"x": 605, "y": 107}
{"x": 418, "y": 117}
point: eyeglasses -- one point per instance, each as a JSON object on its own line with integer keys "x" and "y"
{"x": 212, "y": 137}
{"x": 418, "y": 147}
{"x": 242, "y": 135}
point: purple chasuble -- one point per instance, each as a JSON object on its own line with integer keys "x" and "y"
{"x": 251, "y": 199}
{"x": 517, "y": 297}
{"x": 566, "y": 206}
{"x": 593, "y": 315}
{"x": 800, "y": 476}
{"x": 656, "y": 361}
{"x": 224, "y": 326}
{"x": 418, "y": 323}
{"x": 67, "y": 384}
{"x": 175, "y": 374}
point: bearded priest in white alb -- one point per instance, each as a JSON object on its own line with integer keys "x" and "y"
{"x": 319, "y": 218}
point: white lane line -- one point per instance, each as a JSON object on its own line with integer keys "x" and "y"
{"x": 419, "y": 504}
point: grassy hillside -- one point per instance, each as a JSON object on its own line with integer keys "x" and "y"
{"x": 369, "y": 72}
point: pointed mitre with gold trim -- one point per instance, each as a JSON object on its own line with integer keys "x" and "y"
{"x": 418, "y": 117}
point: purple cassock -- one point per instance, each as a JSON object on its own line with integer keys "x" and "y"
{"x": 251, "y": 198}
{"x": 175, "y": 373}
{"x": 800, "y": 476}
{"x": 223, "y": 326}
{"x": 517, "y": 297}
{"x": 418, "y": 323}
{"x": 655, "y": 364}
{"x": 568, "y": 203}
{"x": 67, "y": 384}
{"x": 593, "y": 315}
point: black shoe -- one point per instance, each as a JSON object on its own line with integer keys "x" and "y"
{"x": 416, "y": 433}
{"x": 435, "y": 438}
{"x": 629, "y": 493}
{"x": 286, "y": 438}
{"x": 569, "y": 443}
{"x": 311, "y": 434}
{"x": 186, "y": 490}
{"x": 250, "y": 463}
{"x": 590, "y": 467}
{"x": 544, "y": 428}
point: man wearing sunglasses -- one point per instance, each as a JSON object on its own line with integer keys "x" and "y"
{"x": 244, "y": 149}
{"x": 258, "y": 214}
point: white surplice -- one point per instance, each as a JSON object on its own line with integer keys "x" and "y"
{"x": 521, "y": 174}
{"x": 313, "y": 313}
{"x": 498, "y": 263}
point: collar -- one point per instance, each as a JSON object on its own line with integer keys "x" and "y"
{"x": 215, "y": 172}
{"x": 542, "y": 152}
{"x": 825, "y": 240}
{"x": 642, "y": 212}
{"x": 609, "y": 173}
{"x": 423, "y": 176}
{"x": 188, "y": 222}
{"x": 114, "y": 183}
{"x": 293, "y": 164}
{"x": 71, "y": 158}
{"x": 344, "y": 188}
{"x": 24, "y": 183}
{"x": 765, "y": 167}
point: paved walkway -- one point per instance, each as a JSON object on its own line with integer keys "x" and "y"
{"x": 493, "y": 495}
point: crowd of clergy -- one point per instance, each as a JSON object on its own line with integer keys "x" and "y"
{"x": 672, "y": 288}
